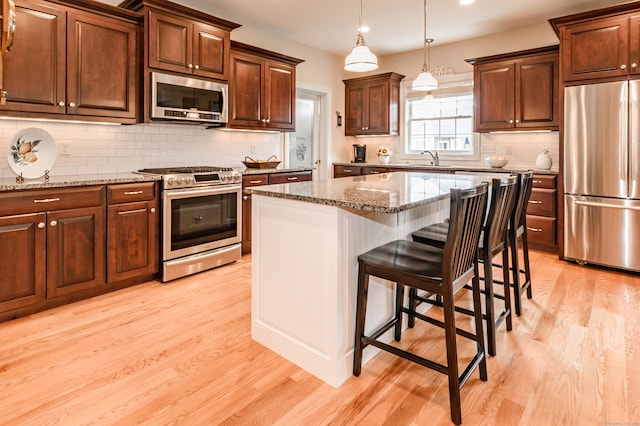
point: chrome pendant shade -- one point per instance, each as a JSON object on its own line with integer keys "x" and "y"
{"x": 360, "y": 59}
{"x": 425, "y": 80}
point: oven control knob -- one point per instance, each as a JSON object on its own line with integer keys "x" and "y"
{"x": 171, "y": 181}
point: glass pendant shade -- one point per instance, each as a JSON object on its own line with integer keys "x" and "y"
{"x": 425, "y": 82}
{"x": 360, "y": 59}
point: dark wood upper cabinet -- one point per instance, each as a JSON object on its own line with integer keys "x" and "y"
{"x": 72, "y": 64}
{"x": 187, "y": 46}
{"x": 372, "y": 105}
{"x": 600, "y": 44}
{"x": 517, "y": 91}
{"x": 262, "y": 89}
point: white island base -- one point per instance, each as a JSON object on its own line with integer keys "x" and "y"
{"x": 305, "y": 267}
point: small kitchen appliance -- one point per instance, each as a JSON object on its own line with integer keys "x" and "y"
{"x": 359, "y": 153}
{"x": 201, "y": 218}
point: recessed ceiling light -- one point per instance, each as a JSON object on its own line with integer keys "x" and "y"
{"x": 466, "y": 1}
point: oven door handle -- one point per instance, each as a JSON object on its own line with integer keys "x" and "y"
{"x": 194, "y": 192}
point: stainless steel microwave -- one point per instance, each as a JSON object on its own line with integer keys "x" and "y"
{"x": 188, "y": 99}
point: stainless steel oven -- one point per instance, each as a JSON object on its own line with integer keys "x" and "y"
{"x": 201, "y": 212}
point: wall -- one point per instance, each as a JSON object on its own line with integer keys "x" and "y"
{"x": 102, "y": 148}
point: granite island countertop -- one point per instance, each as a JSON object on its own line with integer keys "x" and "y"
{"x": 386, "y": 193}
{"x": 10, "y": 184}
{"x": 248, "y": 171}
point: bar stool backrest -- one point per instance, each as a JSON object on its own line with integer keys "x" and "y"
{"x": 466, "y": 216}
{"x": 503, "y": 197}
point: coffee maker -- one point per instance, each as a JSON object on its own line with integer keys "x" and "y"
{"x": 359, "y": 153}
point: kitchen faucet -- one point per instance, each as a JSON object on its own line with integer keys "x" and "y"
{"x": 434, "y": 156}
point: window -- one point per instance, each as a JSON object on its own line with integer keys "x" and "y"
{"x": 441, "y": 120}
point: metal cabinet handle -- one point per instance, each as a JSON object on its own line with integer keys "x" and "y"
{"x": 245, "y": 197}
{"x": 510, "y": 121}
{"x": 46, "y": 200}
{"x": 53, "y": 223}
{"x": 41, "y": 225}
{"x": 72, "y": 104}
{"x": 292, "y": 178}
{"x": 535, "y": 202}
{"x": 634, "y": 65}
{"x": 190, "y": 66}
{"x": 611, "y": 206}
{"x": 61, "y": 103}
{"x": 534, "y": 229}
{"x": 537, "y": 181}
{"x": 623, "y": 67}
{"x": 254, "y": 182}
{"x": 517, "y": 121}
{"x": 153, "y": 209}
{"x": 197, "y": 67}
{"x": 132, "y": 192}
{"x": 347, "y": 171}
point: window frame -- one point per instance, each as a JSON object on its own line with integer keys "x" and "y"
{"x": 455, "y": 84}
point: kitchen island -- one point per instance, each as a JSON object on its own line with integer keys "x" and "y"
{"x": 306, "y": 240}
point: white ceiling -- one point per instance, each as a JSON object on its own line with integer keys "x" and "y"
{"x": 396, "y": 26}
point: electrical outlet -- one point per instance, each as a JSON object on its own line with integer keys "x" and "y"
{"x": 254, "y": 148}
{"x": 508, "y": 149}
{"x": 65, "y": 151}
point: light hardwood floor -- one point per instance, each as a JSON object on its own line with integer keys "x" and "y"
{"x": 181, "y": 353}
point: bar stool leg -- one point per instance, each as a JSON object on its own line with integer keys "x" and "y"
{"x": 399, "y": 306}
{"x": 490, "y": 315}
{"x": 515, "y": 272}
{"x": 361, "y": 310}
{"x": 507, "y": 287}
{"x": 527, "y": 267}
{"x": 452, "y": 357}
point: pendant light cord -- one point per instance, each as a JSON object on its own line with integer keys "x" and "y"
{"x": 424, "y": 40}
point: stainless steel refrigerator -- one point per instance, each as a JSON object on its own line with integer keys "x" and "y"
{"x": 602, "y": 174}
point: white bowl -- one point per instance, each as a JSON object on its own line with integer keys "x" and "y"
{"x": 496, "y": 161}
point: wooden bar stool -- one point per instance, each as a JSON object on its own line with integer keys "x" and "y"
{"x": 493, "y": 242}
{"x": 441, "y": 271}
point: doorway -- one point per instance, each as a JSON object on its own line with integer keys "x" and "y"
{"x": 308, "y": 145}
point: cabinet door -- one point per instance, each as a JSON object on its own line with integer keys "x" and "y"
{"x": 23, "y": 263}
{"x": 34, "y": 69}
{"x": 289, "y": 177}
{"x": 75, "y": 250}
{"x": 536, "y": 94}
{"x": 355, "y": 105}
{"x": 101, "y": 66}
{"x": 596, "y": 49}
{"x": 246, "y": 223}
{"x": 279, "y": 96}
{"x": 245, "y": 102}
{"x": 209, "y": 48}
{"x": 343, "y": 171}
{"x": 494, "y": 96}
{"x": 170, "y": 42}
{"x": 132, "y": 248}
{"x": 376, "y": 112}
{"x": 634, "y": 45}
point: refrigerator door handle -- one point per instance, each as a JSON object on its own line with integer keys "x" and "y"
{"x": 611, "y": 206}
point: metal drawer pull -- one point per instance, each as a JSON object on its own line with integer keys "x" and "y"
{"x": 611, "y": 206}
{"x": 537, "y": 181}
{"x": 347, "y": 171}
{"x": 133, "y": 192}
{"x": 255, "y": 181}
{"x": 40, "y": 225}
{"x": 534, "y": 229}
{"x": 53, "y": 223}
{"x": 46, "y": 200}
{"x": 292, "y": 178}
{"x": 535, "y": 202}
{"x": 153, "y": 209}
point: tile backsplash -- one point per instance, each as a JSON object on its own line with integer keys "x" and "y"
{"x": 101, "y": 148}
{"x": 524, "y": 147}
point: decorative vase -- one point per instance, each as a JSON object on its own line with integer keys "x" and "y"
{"x": 543, "y": 161}
{"x": 384, "y": 159}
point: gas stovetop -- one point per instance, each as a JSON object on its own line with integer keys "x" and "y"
{"x": 184, "y": 177}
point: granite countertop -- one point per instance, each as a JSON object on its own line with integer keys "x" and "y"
{"x": 10, "y": 184}
{"x": 455, "y": 168}
{"x": 248, "y": 171}
{"x": 385, "y": 193}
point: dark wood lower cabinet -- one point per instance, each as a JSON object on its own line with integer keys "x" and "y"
{"x": 23, "y": 262}
{"x": 132, "y": 240}
{"x": 75, "y": 250}
{"x": 80, "y": 242}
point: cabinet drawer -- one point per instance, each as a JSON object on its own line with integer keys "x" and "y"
{"x": 541, "y": 230}
{"x": 18, "y": 202}
{"x": 289, "y": 177}
{"x": 544, "y": 181}
{"x": 374, "y": 170}
{"x": 129, "y": 192}
{"x": 342, "y": 171}
{"x": 542, "y": 202}
{"x": 255, "y": 180}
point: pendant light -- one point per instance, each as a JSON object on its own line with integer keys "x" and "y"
{"x": 360, "y": 59}
{"x": 425, "y": 81}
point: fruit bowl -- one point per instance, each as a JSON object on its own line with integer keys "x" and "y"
{"x": 496, "y": 162}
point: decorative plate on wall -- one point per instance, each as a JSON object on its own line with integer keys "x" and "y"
{"x": 32, "y": 151}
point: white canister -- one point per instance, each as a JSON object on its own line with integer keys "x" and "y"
{"x": 543, "y": 161}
